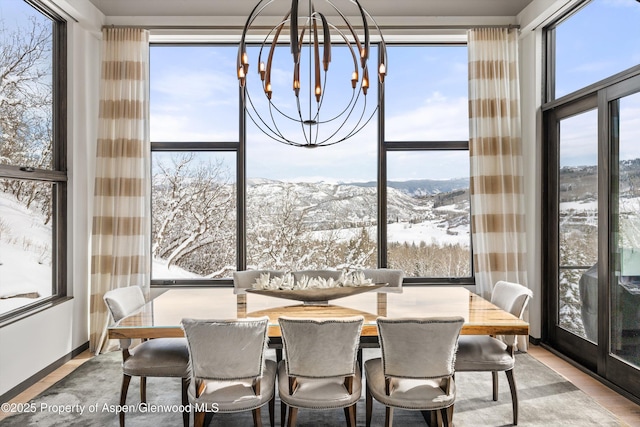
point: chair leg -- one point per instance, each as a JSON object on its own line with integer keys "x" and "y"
{"x": 185, "y": 402}
{"x": 143, "y": 389}
{"x": 272, "y": 410}
{"x": 347, "y": 416}
{"x": 369, "y": 406}
{"x": 514, "y": 395}
{"x": 447, "y": 416}
{"x": 350, "y": 415}
{"x": 494, "y": 377}
{"x": 198, "y": 419}
{"x": 433, "y": 418}
{"x": 283, "y": 413}
{"x": 293, "y": 416}
{"x": 257, "y": 419}
{"x": 126, "y": 379}
{"x": 388, "y": 416}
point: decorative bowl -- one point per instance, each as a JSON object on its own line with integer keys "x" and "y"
{"x": 316, "y": 296}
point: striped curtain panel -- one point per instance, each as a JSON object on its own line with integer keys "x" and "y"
{"x": 121, "y": 224}
{"x": 497, "y": 188}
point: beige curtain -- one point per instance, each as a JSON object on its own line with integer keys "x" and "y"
{"x": 121, "y": 224}
{"x": 497, "y": 188}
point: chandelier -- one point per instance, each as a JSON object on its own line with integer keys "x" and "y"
{"x": 304, "y": 105}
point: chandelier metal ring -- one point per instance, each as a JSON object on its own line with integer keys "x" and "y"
{"x": 303, "y": 120}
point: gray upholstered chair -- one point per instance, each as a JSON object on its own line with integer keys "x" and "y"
{"x": 416, "y": 369}
{"x": 495, "y": 354}
{"x": 243, "y": 280}
{"x": 229, "y": 371}
{"x": 320, "y": 369}
{"x": 393, "y": 278}
{"x": 161, "y": 357}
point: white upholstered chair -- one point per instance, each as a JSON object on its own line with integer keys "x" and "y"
{"x": 392, "y": 277}
{"x": 495, "y": 354}
{"x": 320, "y": 370}
{"x": 161, "y": 357}
{"x": 416, "y": 369}
{"x": 229, "y": 371}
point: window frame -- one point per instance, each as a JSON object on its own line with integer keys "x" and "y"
{"x": 383, "y": 147}
{"x": 57, "y": 175}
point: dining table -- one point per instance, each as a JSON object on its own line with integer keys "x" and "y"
{"x": 162, "y": 315}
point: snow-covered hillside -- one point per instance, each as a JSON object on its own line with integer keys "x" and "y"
{"x": 25, "y": 254}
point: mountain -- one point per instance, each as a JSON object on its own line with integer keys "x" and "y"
{"x": 422, "y": 187}
{"x": 436, "y": 205}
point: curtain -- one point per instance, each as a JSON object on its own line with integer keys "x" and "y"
{"x": 495, "y": 147}
{"x": 121, "y": 221}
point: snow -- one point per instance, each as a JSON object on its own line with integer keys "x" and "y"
{"x": 25, "y": 254}
{"x": 428, "y": 231}
{"x": 160, "y": 270}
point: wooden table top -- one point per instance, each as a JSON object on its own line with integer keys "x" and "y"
{"x": 161, "y": 317}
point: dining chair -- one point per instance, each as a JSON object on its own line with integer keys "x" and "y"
{"x": 393, "y": 278}
{"x": 416, "y": 369}
{"x": 229, "y": 371}
{"x": 483, "y": 353}
{"x": 160, "y": 357}
{"x": 319, "y": 370}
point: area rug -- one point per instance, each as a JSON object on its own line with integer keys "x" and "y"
{"x": 89, "y": 396}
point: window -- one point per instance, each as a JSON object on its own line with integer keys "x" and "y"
{"x": 194, "y": 143}
{"x": 32, "y": 158}
{"x": 273, "y": 206}
{"x": 590, "y": 168}
{"x": 427, "y": 159}
{"x": 586, "y": 48}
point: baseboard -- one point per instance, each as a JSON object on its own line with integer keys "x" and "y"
{"x": 534, "y": 341}
{"x": 42, "y": 373}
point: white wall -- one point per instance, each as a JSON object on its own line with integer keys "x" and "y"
{"x": 35, "y": 342}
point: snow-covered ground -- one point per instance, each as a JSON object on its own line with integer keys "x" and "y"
{"x": 25, "y": 254}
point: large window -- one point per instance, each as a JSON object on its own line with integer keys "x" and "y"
{"x": 427, "y": 158}
{"x": 226, "y": 196}
{"x": 591, "y": 164}
{"x": 32, "y": 158}
{"x": 587, "y": 49}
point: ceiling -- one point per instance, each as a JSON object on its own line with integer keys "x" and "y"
{"x": 377, "y": 8}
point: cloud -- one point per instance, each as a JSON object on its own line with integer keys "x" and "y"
{"x": 438, "y": 118}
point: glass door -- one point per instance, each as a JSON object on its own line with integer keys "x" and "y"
{"x": 592, "y": 232}
{"x": 623, "y": 355}
{"x": 574, "y": 233}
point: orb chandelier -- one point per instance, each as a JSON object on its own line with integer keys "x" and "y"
{"x": 287, "y": 89}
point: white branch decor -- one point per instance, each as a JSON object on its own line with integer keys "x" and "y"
{"x": 288, "y": 282}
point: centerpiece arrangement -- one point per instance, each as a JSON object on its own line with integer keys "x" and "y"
{"x": 316, "y": 290}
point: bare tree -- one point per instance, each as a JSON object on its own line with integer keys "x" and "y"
{"x": 194, "y": 216}
{"x": 26, "y": 109}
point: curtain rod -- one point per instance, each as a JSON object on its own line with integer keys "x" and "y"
{"x": 268, "y": 28}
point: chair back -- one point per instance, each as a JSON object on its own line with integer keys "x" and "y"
{"x": 511, "y": 297}
{"x": 243, "y": 280}
{"x": 419, "y": 348}
{"x": 393, "y": 278}
{"x": 321, "y": 348}
{"x": 226, "y": 350}
{"x": 121, "y": 302}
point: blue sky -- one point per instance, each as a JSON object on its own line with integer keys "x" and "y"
{"x": 195, "y": 97}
